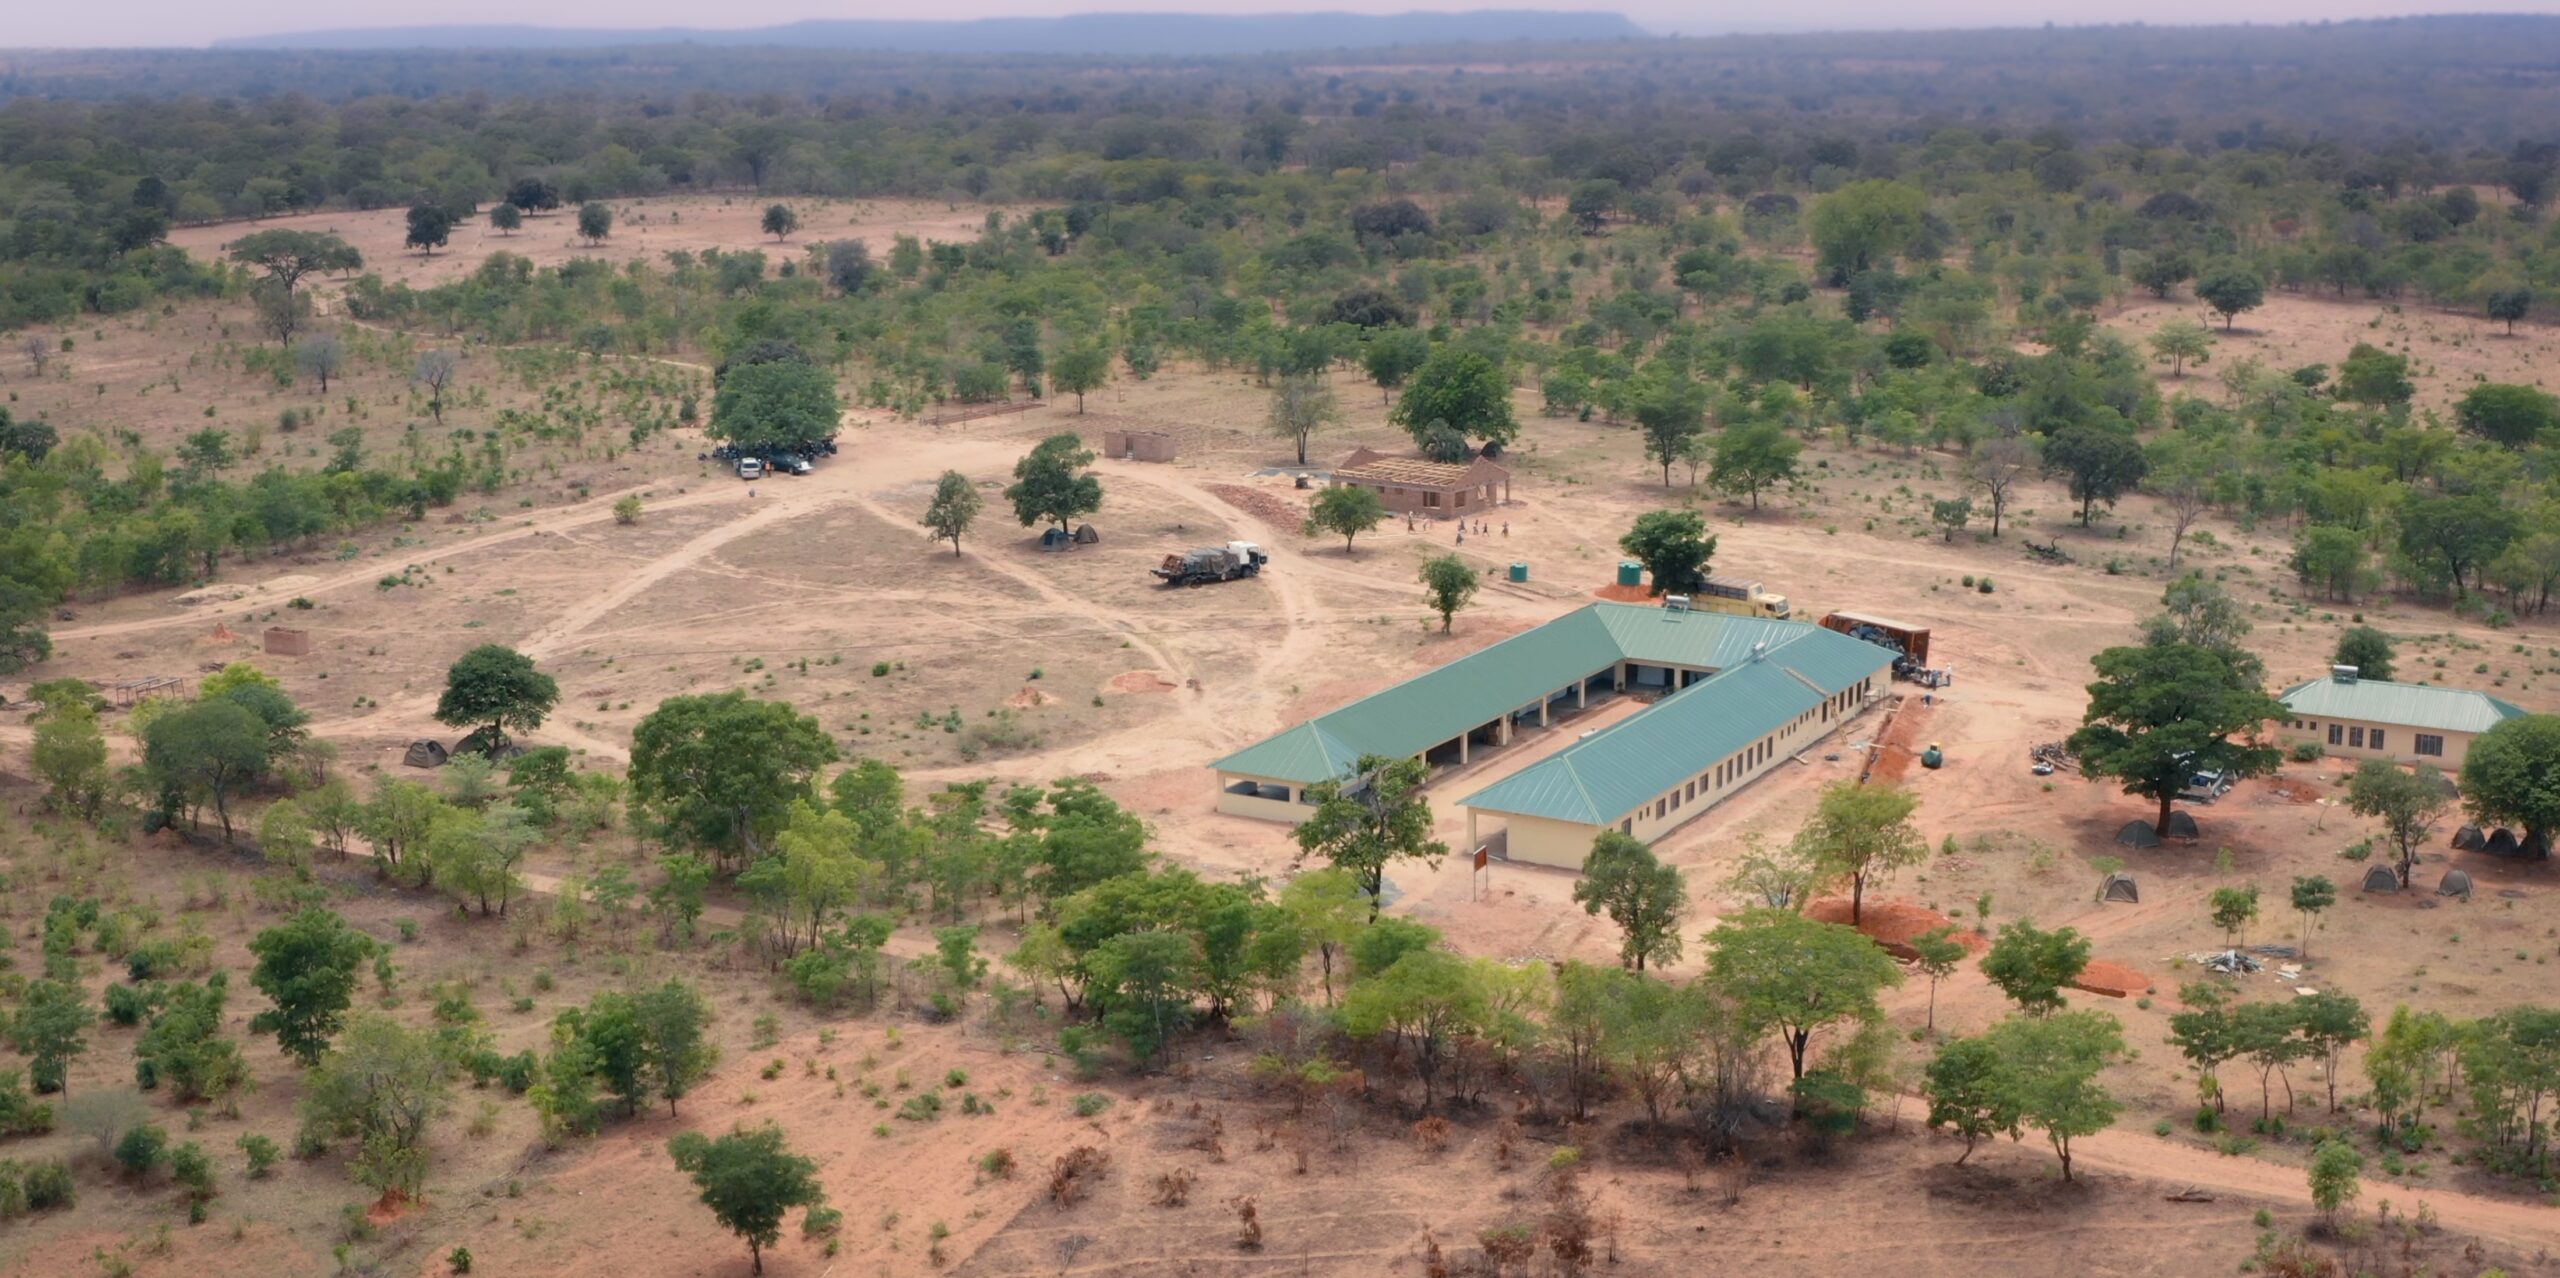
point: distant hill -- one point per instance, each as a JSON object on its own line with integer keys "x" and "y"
{"x": 1085, "y": 34}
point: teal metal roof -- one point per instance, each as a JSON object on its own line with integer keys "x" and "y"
{"x": 2414, "y": 705}
{"x": 1442, "y": 702}
{"x": 1595, "y": 782}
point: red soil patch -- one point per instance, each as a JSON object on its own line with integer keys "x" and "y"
{"x": 1139, "y": 681}
{"x": 1624, "y": 594}
{"x": 2294, "y": 789}
{"x": 1030, "y": 699}
{"x": 1893, "y": 924}
{"x": 1899, "y": 746}
{"x": 1269, "y": 507}
{"x": 2114, "y": 980}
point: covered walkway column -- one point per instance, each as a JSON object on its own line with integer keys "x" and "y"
{"x": 1543, "y": 703}
{"x": 1472, "y": 841}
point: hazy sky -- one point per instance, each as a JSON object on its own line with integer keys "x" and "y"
{"x": 46, "y": 23}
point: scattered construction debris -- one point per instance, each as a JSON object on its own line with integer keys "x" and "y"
{"x": 2227, "y": 962}
{"x": 2046, "y": 759}
{"x": 2190, "y": 1194}
{"x": 2051, "y": 553}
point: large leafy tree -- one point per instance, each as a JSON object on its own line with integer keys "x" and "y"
{"x": 48, "y": 1029}
{"x": 308, "y": 967}
{"x": 2512, "y": 415}
{"x": 1968, "y": 1090}
{"x": 2512, "y": 776}
{"x": 430, "y": 225}
{"x": 2367, "y": 649}
{"x": 1379, "y": 816}
{"x": 2230, "y": 290}
{"x": 1461, "y": 390}
{"x": 2099, "y": 463}
{"x": 1346, "y": 509}
{"x": 1671, "y": 413}
{"x": 1794, "y": 977}
{"x": 1640, "y": 894}
{"x": 1862, "y": 833}
{"x": 2161, "y": 713}
{"x": 749, "y": 1180}
{"x": 1448, "y": 585}
{"x": 1301, "y": 405}
{"x": 1674, "y": 547}
{"x": 383, "y": 1086}
{"x": 1428, "y": 999}
{"x": 1752, "y": 457}
{"x": 774, "y": 404}
{"x": 1865, "y": 225}
{"x": 2033, "y": 966}
{"x": 953, "y": 509}
{"x": 496, "y": 685}
{"x": 288, "y": 256}
{"x": 1051, "y": 484}
{"x": 1081, "y": 368}
{"x": 1389, "y": 356}
{"x": 2048, "y": 1076}
{"x": 723, "y": 769}
{"x": 210, "y": 748}
{"x": 2407, "y": 804}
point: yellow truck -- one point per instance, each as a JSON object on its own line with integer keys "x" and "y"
{"x": 1739, "y": 597}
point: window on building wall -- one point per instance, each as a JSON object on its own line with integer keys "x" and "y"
{"x": 2355, "y": 738}
{"x": 2375, "y": 740}
{"x": 2337, "y": 735}
{"x": 1431, "y": 499}
{"x": 2430, "y": 745}
{"x": 1627, "y": 826}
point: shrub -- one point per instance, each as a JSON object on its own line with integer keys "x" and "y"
{"x": 193, "y": 1169}
{"x": 1088, "y": 1104}
{"x": 127, "y": 1005}
{"x": 261, "y": 1153}
{"x": 996, "y": 1164}
{"x": 141, "y": 1149}
{"x": 821, "y": 1222}
{"x": 48, "y": 1186}
{"x": 626, "y": 512}
{"x": 20, "y": 1113}
{"x": 1983, "y": 585}
{"x": 459, "y": 1259}
{"x": 2308, "y": 752}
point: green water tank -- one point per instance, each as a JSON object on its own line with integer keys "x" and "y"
{"x": 1630, "y": 573}
{"x": 1519, "y": 572}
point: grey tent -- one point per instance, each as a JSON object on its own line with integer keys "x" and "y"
{"x": 424, "y": 753}
{"x": 2119, "y": 887}
{"x": 2379, "y": 878}
{"x": 2182, "y": 825}
{"x": 2536, "y": 846}
{"x": 2456, "y": 883}
{"x": 2137, "y": 834}
{"x": 2502, "y": 842}
{"x": 2468, "y": 839}
{"x": 1086, "y": 536}
{"x": 1056, "y": 539}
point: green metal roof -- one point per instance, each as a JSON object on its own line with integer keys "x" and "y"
{"x": 2414, "y": 705}
{"x": 1595, "y": 782}
{"x": 1442, "y": 702}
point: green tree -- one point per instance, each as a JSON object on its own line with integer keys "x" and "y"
{"x": 1390, "y": 355}
{"x": 383, "y": 1086}
{"x": 496, "y": 685}
{"x": 49, "y": 1029}
{"x": 749, "y": 1180}
{"x": 1590, "y": 203}
{"x": 430, "y": 225}
{"x": 209, "y": 748}
{"x": 2337, "y": 1176}
{"x": 2407, "y": 803}
{"x": 505, "y": 218}
{"x": 1050, "y": 483}
{"x": 1861, "y": 833}
{"x": 2516, "y": 416}
{"x": 308, "y": 967}
{"x": 595, "y": 222}
{"x": 779, "y": 403}
{"x": 2205, "y": 1033}
{"x": 2049, "y": 1069}
{"x": 2367, "y": 649}
{"x": 953, "y": 509}
{"x": 1644, "y": 897}
{"x": 2233, "y": 909}
{"x": 288, "y": 256}
{"x": 1671, "y": 414}
{"x": 2512, "y": 776}
{"x": 1795, "y": 977}
{"x": 69, "y": 755}
{"x": 1951, "y": 516}
{"x": 2510, "y": 304}
{"x": 1359, "y": 829}
{"x": 1462, "y": 390}
{"x": 1428, "y": 1000}
{"x": 722, "y": 769}
{"x": 2230, "y": 290}
{"x": 2161, "y": 713}
{"x": 1995, "y": 467}
{"x": 2332, "y": 558}
{"x": 2311, "y": 895}
{"x": 1143, "y": 983}
{"x": 2033, "y": 966}
{"x": 1301, "y": 405}
{"x": 1082, "y": 367}
{"x": 1754, "y": 456}
{"x": 1936, "y": 953}
{"x": 1448, "y": 585}
{"x": 2373, "y": 376}
{"x": 2100, "y": 464}
{"x": 184, "y": 1047}
{"x": 2162, "y": 271}
{"x": 1865, "y": 225}
{"x": 779, "y": 221}
{"x": 1347, "y": 509}
{"x": 2179, "y": 342}
{"x": 1969, "y": 1089}
{"x": 1328, "y": 907}
{"x": 2331, "y": 1022}
{"x": 1673, "y": 546}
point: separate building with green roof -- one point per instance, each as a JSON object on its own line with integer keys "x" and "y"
{"x": 2378, "y": 719}
{"x": 1739, "y": 694}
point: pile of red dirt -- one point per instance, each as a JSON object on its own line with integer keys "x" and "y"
{"x": 1624, "y": 594}
{"x": 2114, "y": 980}
{"x": 1899, "y": 745}
{"x": 1269, "y": 507}
{"x": 1030, "y": 699}
{"x": 1894, "y": 924}
{"x": 1139, "y": 681}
